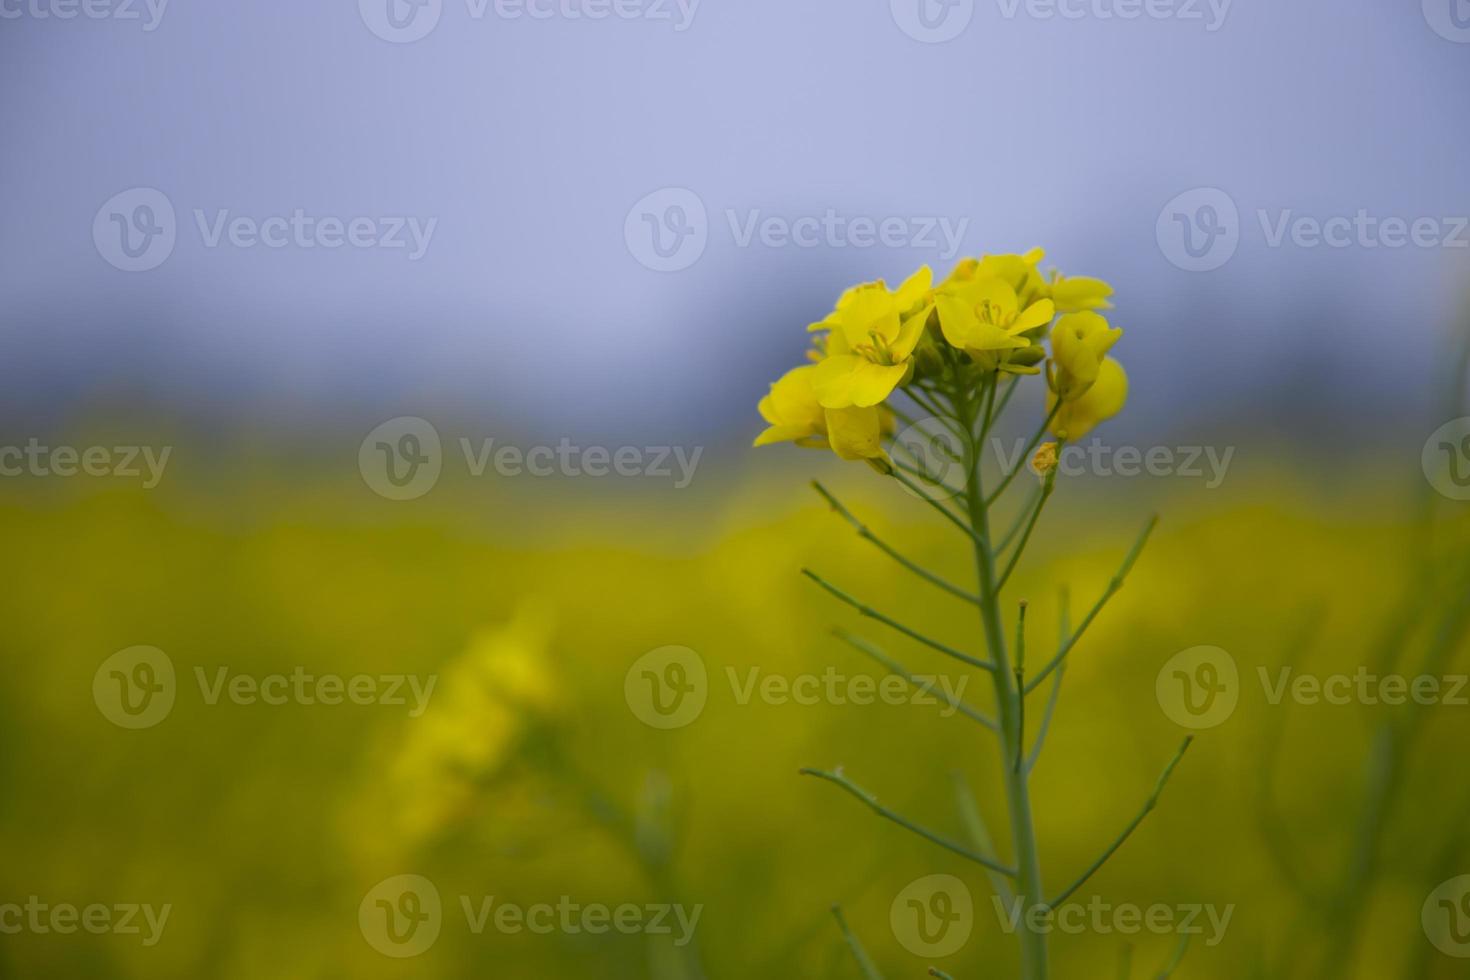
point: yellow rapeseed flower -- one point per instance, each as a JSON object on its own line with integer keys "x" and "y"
{"x": 870, "y": 347}
{"x": 1103, "y": 399}
{"x": 794, "y": 415}
{"x": 986, "y": 317}
{"x": 1079, "y": 342}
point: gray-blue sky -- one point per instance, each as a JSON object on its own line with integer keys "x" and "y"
{"x": 529, "y": 140}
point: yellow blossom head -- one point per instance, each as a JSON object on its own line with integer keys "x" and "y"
{"x": 794, "y": 415}
{"x": 870, "y": 347}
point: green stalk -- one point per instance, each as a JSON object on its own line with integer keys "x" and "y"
{"x": 1008, "y": 696}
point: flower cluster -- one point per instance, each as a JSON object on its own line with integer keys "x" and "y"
{"x": 990, "y": 317}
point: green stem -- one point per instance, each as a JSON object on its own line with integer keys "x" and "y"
{"x": 1028, "y": 887}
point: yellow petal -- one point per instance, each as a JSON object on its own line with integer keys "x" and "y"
{"x": 1034, "y": 316}
{"x": 781, "y": 433}
{"x": 957, "y": 319}
{"x": 871, "y": 383}
{"x": 910, "y": 333}
{"x": 1076, "y": 293}
{"x": 832, "y": 380}
{"x": 914, "y": 288}
{"x": 1099, "y": 403}
{"x": 856, "y": 433}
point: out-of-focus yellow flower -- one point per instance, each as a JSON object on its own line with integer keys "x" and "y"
{"x": 1079, "y": 342}
{"x": 794, "y": 415}
{"x": 792, "y": 412}
{"x": 1100, "y": 402}
{"x": 1073, "y": 294}
{"x": 487, "y": 700}
{"x": 856, "y": 433}
{"x": 870, "y": 347}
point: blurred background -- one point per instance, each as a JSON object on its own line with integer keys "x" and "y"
{"x": 420, "y": 340}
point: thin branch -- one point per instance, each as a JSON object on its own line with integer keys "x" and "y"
{"x": 1113, "y": 586}
{"x": 1025, "y": 455}
{"x": 1064, "y": 627}
{"x": 979, "y": 832}
{"x": 1045, "y": 726}
{"x": 867, "y": 798}
{"x": 872, "y": 613}
{"x": 867, "y": 534}
{"x": 1125, "y": 961}
{"x": 1148, "y": 807}
{"x": 923, "y": 476}
{"x": 935, "y": 971}
{"x": 865, "y": 964}
{"x": 949, "y": 514}
{"x": 894, "y": 667}
{"x": 1005, "y": 399}
{"x": 1047, "y": 486}
{"x": 989, "y": 416}
{"x": 1179, "y": 950}
{"x": 1021, "y": 520}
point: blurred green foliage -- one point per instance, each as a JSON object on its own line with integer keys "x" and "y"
{"x": 530, "y": 779}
